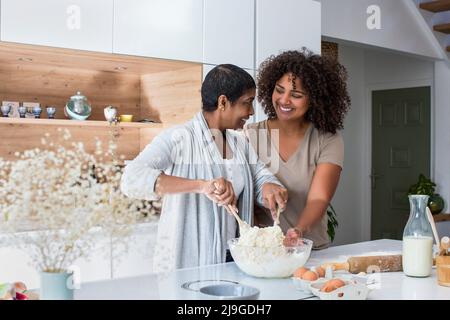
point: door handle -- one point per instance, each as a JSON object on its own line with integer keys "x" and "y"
{"x": 373, "y": 178}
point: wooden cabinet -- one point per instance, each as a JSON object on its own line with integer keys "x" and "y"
{"x": 229, "y": 32}
{"x": 286, "y": 25}
{"x": 159, "y": 28}
{"x": 76, "y": 24}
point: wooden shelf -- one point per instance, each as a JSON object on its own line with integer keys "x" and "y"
{"x": 444, "y": 28}
{"x": 441, "y": 217}
{"x": 86, "y": 123}
{"x": 436, "y": 6}
{"x": 163, "y": 90}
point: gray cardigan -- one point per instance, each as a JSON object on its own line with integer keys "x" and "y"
{"x": 192, "y": 228}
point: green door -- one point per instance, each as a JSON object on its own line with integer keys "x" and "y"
{"x": 400, "y": 152}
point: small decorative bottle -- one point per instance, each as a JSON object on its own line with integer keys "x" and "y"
{"x": 417, "y": 256}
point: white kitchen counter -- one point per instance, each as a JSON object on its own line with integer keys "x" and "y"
{"x": 393, "y": 285}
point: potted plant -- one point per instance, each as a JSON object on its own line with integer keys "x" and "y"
{"x": 332, "y": 223}
{"x": 66, "y": 197}
{"x": 427, "y": 187}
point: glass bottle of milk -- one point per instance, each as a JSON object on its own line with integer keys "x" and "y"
{"x": 418, "y": 239}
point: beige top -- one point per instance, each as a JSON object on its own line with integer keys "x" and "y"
{"x": 297, "y": 172}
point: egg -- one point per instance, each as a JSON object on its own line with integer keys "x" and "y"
{"x": 320, "y": 271}
{"x": 300, "y": 271}
{"x": 310, "y": 276}
{"x": 332, "y": 284}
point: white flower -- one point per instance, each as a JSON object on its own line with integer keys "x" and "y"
{"x": 65, "y": 193}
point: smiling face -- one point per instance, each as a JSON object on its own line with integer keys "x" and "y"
{"x": 289, "y": 98}
{"x": 235, "y": 115}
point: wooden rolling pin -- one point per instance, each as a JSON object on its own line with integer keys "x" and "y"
{"x": 369, "y": 264}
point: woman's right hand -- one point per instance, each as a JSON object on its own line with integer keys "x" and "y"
{"x": 220, "y": 191}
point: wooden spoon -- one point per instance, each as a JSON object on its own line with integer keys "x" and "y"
{"x": 277, "y": 219}
{"x": 433, "y": 226}
{"x": 234, "y": 211}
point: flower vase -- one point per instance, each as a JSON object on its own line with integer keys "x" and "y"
{"x": 436, "y": 203}
{"x": 56, "y": 286}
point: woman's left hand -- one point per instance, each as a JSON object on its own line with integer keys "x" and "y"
{"x": 273, "y": 196}
{"x": 292, "y": 236}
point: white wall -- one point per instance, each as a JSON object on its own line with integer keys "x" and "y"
{"x": 370, "y": 69}
{"x": 383, "y": 68}
{"x": 401, "y": 26}
{"x": 442, "y": 133}
{"x": 348, "y": 201}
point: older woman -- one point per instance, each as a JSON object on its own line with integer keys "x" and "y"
{"x": 202, "y": 169}
{"x": 305, "y": 98}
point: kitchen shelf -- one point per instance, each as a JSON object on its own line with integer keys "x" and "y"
{"x": 85, "y": 123}
{"x": 163, "y": 90}
{"x": 441, "y": 217}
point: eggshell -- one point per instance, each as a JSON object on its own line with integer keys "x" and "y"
{"x": 300, "y": 271}
{"x": 310, "y": 276}
{"x": 332, "y": 284}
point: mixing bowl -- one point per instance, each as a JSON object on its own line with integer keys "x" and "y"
{"x": 271, "y": 262}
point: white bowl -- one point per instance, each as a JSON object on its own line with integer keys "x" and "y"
{"x": 273, "y": 262}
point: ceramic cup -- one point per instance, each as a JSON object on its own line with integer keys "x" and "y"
{"x": 5, "y": 110}
{"x": 37, "y": 112}
{"x": 51, "y": 112}
{"x": 22, "y": 111}
{"x": 110, "y": 113}
{"x": 126, "y": 118}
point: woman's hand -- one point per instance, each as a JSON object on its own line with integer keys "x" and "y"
{"x": 273, "y": 196}
{"x": 292, "y": 236}
{"x": 220, "y": 191}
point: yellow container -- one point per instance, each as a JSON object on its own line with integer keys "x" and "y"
{"x": 443, "y": 270}
{"x": 126, "y": 118}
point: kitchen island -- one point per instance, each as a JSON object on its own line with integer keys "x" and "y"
{"x": 183, "y": 284}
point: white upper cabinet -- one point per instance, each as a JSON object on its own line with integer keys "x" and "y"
{"x": 75, "y": 24}
{"x": 229, "y": 32}
{"x": 286, "y": 25}
{"x": 168, "y": 29}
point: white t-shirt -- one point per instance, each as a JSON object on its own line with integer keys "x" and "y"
{"x": 233, "y": 174}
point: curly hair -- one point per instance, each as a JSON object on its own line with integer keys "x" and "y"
{"x": 323, "y": 79}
